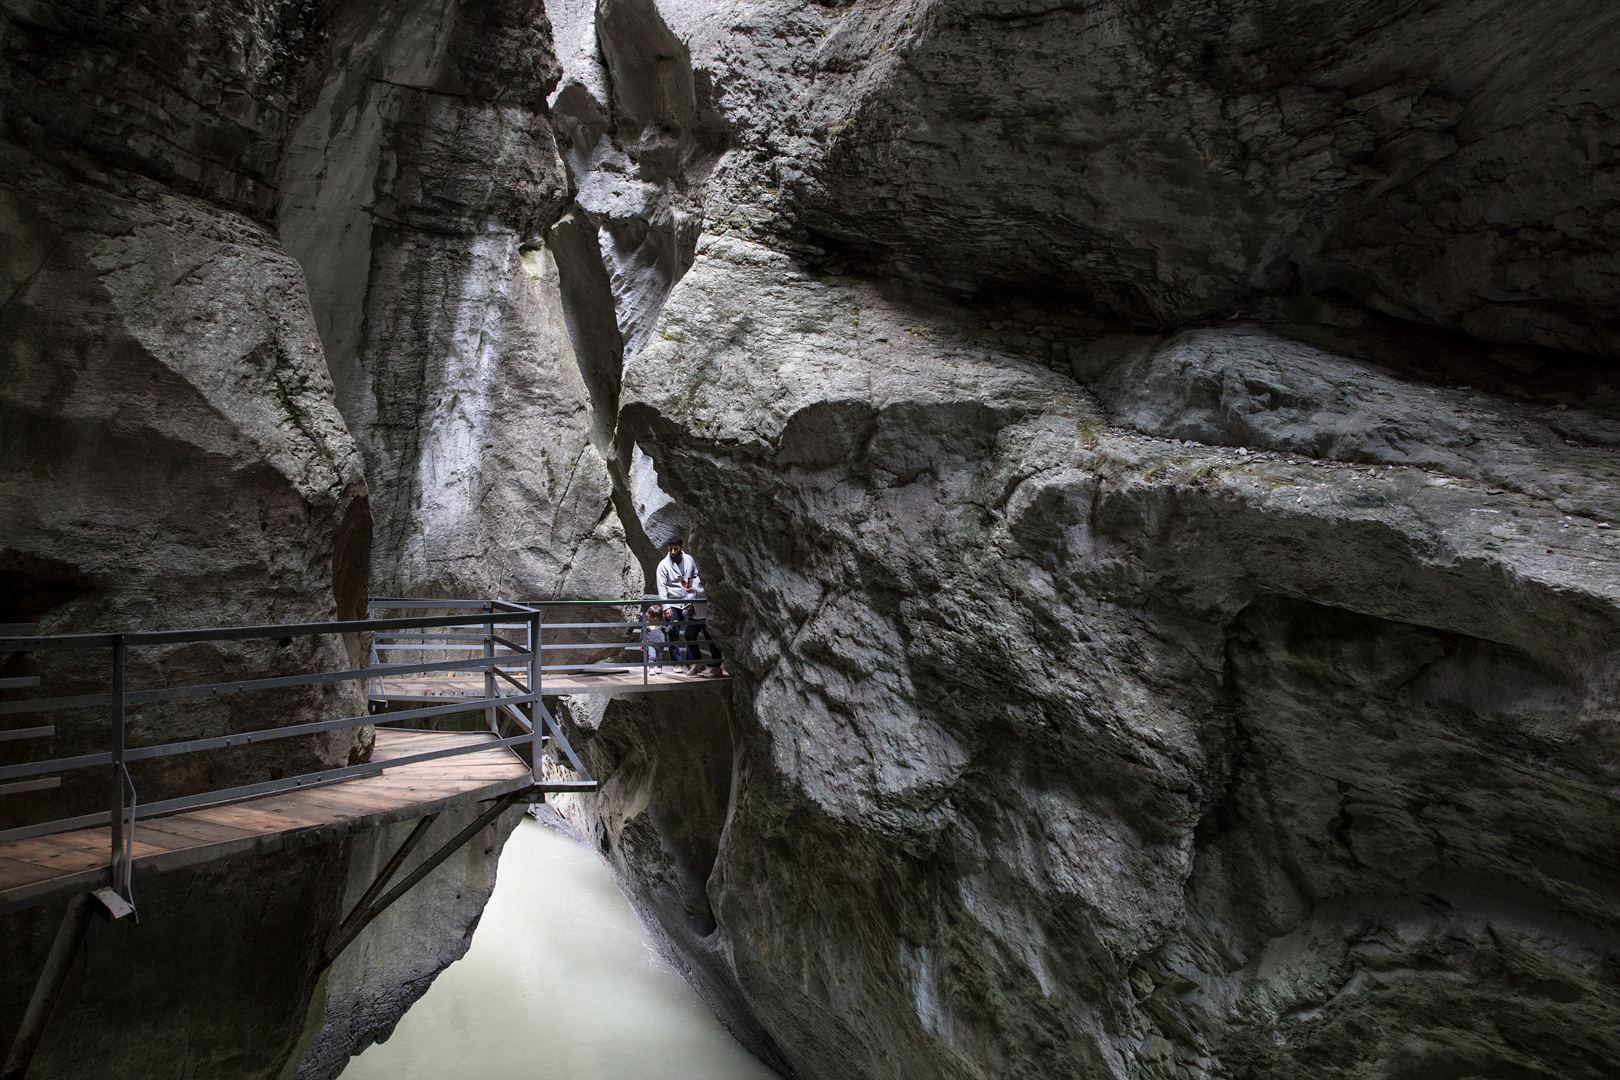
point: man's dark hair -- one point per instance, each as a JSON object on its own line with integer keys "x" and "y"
{"x": 675, "y": 541}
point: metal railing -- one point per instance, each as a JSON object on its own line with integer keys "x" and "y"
{"x": 548, "y": 635}
{"x": 125, "y": 809}
{"x": 638, "y": 643}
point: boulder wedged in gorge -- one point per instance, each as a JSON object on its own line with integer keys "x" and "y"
{"x": 1075, "y": 744}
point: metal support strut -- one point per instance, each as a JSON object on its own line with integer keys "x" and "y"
{"x": 360, "y": 918}
{"x": 75, "y": 922}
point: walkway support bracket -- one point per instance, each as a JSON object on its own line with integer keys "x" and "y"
{"x": 386, "y": 874}
{"x": 360, "y": 918}
{"x": 52, "y": 978}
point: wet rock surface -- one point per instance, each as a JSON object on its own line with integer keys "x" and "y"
{"x": 1080, "y": 743}
{"x": 418, "y": 193}
{"x": 1153, "y": 465}
{"x": 665, "y": 765}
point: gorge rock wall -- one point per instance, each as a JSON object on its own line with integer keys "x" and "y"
{"x": 1154, "y": 465}
{"x": 1152, "y": 461}
{"x": 1076, "y": 748}
{"x": 257, "y": 255}
{"x": 419, "y": 191}
{"x": 172, "y": 458}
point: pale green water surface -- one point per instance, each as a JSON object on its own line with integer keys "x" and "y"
{"x": 560, "y": 984}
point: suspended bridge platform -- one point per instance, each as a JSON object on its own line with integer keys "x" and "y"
{"x": 44, "y": 868}
{"x": 444, "y": 661}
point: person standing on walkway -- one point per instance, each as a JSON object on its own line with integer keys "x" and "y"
{"x": 697, "y": 627}
{"x": 675, "y": 579}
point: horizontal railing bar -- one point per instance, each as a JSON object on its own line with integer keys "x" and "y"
{"x": 629, "y": 665}
{"x": 220, "y": 742}
{"x": 590, "y": 645}
{"x": 433, "y": 637}
{"x": 580, "y": 603}
{"x": 423, "y": 602}
{"x": 66, "y": 764}
{"x": 231, "y": 633}
{"x": 31, "y": 785}
{"x": 176, "y": 693}
{"x": 388, "y": 695}
{"x": 503, "y": 608}
{"x": 457, "y": 664}
{"x": 46, "y": 828}
{"x": 433, "y": 648}
{"x": 22, "y": 682}
{"x": 28, "y": 733}
{"x": 547, "y": 628}
{"x": 269, "y": 787}
{"x": 88, "y": 761}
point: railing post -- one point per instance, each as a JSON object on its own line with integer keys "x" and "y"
{"x": 645, "y": 663}
{"x": 489, "y": 672}
{"x": 119, "y": 869}
{"x": 535, "y": 741}
{"x": 376, "y": 686}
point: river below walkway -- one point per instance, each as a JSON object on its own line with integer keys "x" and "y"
{"x": 560, "y": 984}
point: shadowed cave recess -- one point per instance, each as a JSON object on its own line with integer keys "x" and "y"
{"x": 1152, "y": 462}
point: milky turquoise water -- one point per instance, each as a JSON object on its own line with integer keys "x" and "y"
{"x": 560, "y": 984}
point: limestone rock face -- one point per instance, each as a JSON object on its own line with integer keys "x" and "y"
{"x": 1152, "y": 463}
{"x": 1446, "y": 163}
{"x": 1153, "y": 466}
{"x": 170, "y": 457}
{"x": 1077, "y": 745}
{"x": 173, "y": 457}
{"x": 418, "y": 192}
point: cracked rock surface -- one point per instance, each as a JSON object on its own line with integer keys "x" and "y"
{"x": 1082, "y": 744}
{"x": 1153, "y": 463}
{"x": 1154, "y": 466}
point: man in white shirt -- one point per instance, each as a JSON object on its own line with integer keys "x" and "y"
{"x": 678, "y": 582}
{"x": 675, "y": 573}
{"x": 675, "y": 576}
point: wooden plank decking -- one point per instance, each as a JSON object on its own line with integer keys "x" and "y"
{"x": 44, "y": 868}
{"x": 435, "y": 688}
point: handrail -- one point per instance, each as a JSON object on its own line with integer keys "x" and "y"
{"x": 124, "y": 807}
{"x": 228, "y": 633}
{"x": 636, "y": 642}
{"x": 176, "y": 693}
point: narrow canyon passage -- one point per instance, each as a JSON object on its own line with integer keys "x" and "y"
{"x": 1152, "y": 468}
{"x": 561, "y": 983}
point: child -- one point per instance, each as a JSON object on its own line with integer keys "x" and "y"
{"x": 654, "y": 639}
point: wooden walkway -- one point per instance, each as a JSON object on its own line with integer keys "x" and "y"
{"x": 48, "y": 867}
{"x": 626, "y": 680}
